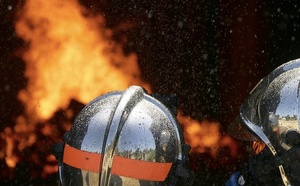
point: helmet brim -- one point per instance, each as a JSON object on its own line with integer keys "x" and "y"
{"x": 240, "y": 131}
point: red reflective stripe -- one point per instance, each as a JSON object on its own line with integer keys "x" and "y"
{"x": 81, "y": 159}
{"x": 138, "y": 169}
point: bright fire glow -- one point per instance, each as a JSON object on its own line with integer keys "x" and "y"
{"x": 205, "y": 136}
{"x": 69, "y": 55}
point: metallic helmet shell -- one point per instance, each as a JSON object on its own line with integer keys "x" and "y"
{"x": 121, "y": 138}
{"x": 271, "y": 114}
{"x": 272, "y": 108}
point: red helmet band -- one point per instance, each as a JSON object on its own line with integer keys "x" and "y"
{"x": 138, "y": 169}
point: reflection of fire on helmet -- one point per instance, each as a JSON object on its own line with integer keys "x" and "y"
{"x": 124, "y": 138}
{"x": 271, "y": 115}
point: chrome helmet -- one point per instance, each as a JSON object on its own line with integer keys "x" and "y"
{"x": 271, "y": 114}
{"x": 123, "y": 138}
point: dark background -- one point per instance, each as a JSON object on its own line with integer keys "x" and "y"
{"x": 210, "y": 53}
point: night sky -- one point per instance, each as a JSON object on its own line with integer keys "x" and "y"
{"x": 209, "y": 53}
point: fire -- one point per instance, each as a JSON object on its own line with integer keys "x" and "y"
{"x": 205, "y": 136}
{"x": 10, "y": 158}
{"x": 70, "y": 55}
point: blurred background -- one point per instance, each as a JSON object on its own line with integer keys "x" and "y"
{"x": 56, "y": 56}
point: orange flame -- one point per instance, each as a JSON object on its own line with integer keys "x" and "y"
{"x": 10, "y": 158}
{"x": 205, "y": 136}
{"x": 70, "y": 54}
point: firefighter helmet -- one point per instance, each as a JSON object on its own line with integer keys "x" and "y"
{"x": 271, "y": 114}
{"x": 124, "y": 138}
